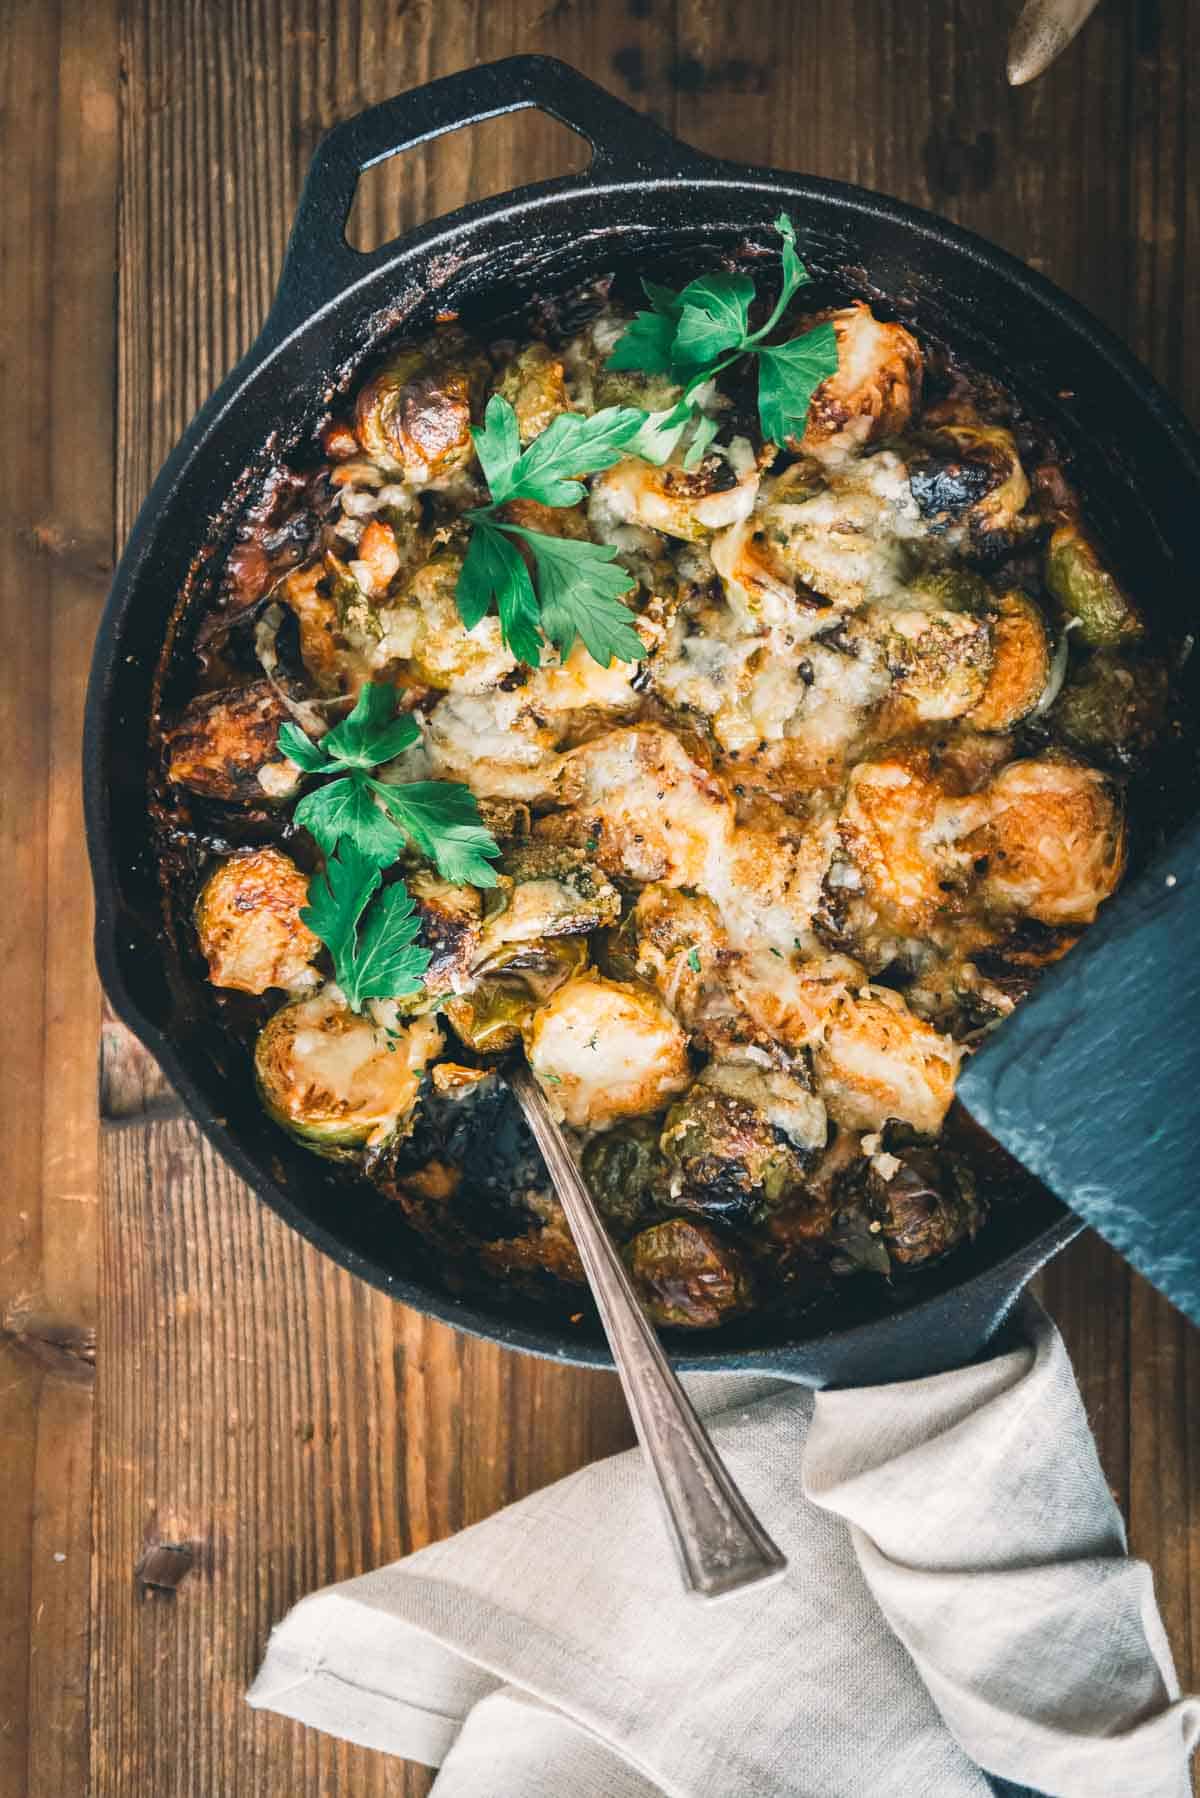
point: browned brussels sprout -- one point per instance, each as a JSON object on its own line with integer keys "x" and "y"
{"x": 533, "y": 383}
{"x": 249, "y": 925}
{"x": 491, "y": 1017}
{"x": 968, "y": 479}
{"x": 1020, "y": 665}
{"x": 223, "y": 745}
{"x": 414, "y": 417}
{"x": 875, "y": 390}
{"x": 546, "y": 890}
{"x": 687, "y": 1276}
{"x": 1113, "y": 708}
{"x": 908, "y": 1204}
{"x": 740, "y": 1139}
{"x": 451, "y": 921}
{"x": 628, "y": 1175}
{"x": 1086, "y": 590}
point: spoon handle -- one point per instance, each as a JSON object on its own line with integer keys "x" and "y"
{"x": 720, "y": 1544}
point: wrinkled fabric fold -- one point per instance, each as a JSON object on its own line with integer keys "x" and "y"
{"x": 957, "y": 1597}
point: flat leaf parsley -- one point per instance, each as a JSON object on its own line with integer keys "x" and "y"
{"x": 372, "y": 940}
{"x": 578, "y": 584}
{"x": 378, "y": 818}
{"x": 695, "y": 334}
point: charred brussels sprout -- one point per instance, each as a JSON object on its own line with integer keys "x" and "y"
{"x": 335, "y": 1081}
{"x": 1086, "y": 590}
{"x": 223, "y": 746}
{"x": 688, "y": 1277}
{"x": 1113, "y": 708}
{"x": 414, "y": 417}
{"x": 249, "y": 925}
{"x": 904, "y": 1207}
{"x": 491, "y": 1017}
{"x": 628, "y": 1175}
{"x": 739, "y": 1140}
{"x": 545, "y": 892}
{"x": 968, "y": 477}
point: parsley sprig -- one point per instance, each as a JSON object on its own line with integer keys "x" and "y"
{"x": 695, "y": 334}
{"x": 379, "y": 818}
{"x": 372, "y": 940}
{"x": 579, "y": 584}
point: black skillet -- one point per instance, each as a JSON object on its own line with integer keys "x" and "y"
{"x": 647, "y": 203}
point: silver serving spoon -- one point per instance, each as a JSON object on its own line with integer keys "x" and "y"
{"x": 720, "y": 1544}
{"x": 1042, "y": 32}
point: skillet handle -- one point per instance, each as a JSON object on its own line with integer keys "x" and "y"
{"x": 319, "y": 264}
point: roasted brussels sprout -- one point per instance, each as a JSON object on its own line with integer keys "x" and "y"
{"x": 690, "y": 505}
{"x": 223, "y": 746}
{"x": 249, "y": 925}
{"x": 534, "y": 385}
{"x": 545, "y": 891}
{"x": 309, "y": 595}
{"x": 951, "y": 590}
{"x": 887, "y": 831}
{"x": 1020, "y": 667}
{"x": 967, "y": 481}
{"x": 602, "y": 1051}
{"x": 739, "y": 1139}
{"x": 879, "y": 1061}
{"x": 1112, "y": 708}
{"x": 905, "y": 1207}
{"x": 940, "y": 661}
{"x": 422, "y": 626}
{"x": 1053, "y": 844}
{"x": 687, "y": 1276}
{"x": 334, "y": 1080}
{"x": 414, "y": 417}
{"x": 1077, "y": 578}
{"x": 491, "y": 1017}
{"x": 876, "y": 388}
{"x": 451, "y": 928}
{"x": 628, "y": 1174}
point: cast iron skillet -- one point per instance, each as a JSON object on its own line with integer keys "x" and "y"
{"x": 646, "y": 202}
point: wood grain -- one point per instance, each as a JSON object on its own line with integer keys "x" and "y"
{"x": 259, "y": 1416}
{"x": 58, "y": 148}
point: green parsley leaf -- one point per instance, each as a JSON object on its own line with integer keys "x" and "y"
{"x": 693, "y": 960}
{"x": 788, "y": 376}
{"x": 579, "y": 585}
{"x": 646, "y": 344}
{"x": 576, "y": 585}
{"x": 714, "y": 317}
{"x": 373, "y": 733}
{"x": 706, "y": 429}
{"x": 300, "y": 748}
{"x": 344, "y": 811}
{"x": 442, "y": 818}
{"x": 381, "y": 962}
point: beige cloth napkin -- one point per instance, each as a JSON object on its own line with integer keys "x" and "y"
{"x": 958, "y": 1597}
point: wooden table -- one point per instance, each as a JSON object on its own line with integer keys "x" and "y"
{"x": 200, "y": 1419}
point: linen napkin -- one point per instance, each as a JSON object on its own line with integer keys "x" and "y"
{"x": 958, "y": 1612}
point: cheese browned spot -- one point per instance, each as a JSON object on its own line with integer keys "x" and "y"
{"x": 249, "y": 925}
{"x": 602, "y": 1050}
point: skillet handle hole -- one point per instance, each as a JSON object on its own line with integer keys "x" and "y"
{"x": 472, "y": 163}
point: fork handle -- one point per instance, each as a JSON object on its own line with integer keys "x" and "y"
{"x": 720, "y": 1544}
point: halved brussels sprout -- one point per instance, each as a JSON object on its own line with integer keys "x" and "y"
{"x": 875, "y": 390}
{"x": 602, "y": 1051}
{"x": 545, "y": 891}
{"x": 223, "y": 745}
{"x": 1086, "y": 590}
{"x": 951, "y": 590}
{"x": 967, "y": 477}
{"x": 1112, "y": 708}
{"x": 414, "y": 417}
{"x": 687, "y": 1276}
{"x": 249, "y": 925}
{"x": 628, "y": 1174}
{"x": 676, "y": 941}
{"x": 335, "y": 1081}
{"x": 451, "y": 927}
{"x": 739, "y": 1139}
{"x": 878, "y": 1061}
{"x": 940, "y": 661}
{"x": 534, "y": 385}
{"x": 491, "y": 1017}
{"x": 683, "y": 503}
{"x": 1020, "y": 665}
{"x": 1053, "y": 843}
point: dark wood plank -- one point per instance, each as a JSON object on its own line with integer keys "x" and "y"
{"x": 58, "y": 147}
{"x": 282, "y": 1424}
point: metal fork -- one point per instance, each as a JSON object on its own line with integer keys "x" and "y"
{"x": 720, "y": 1544}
